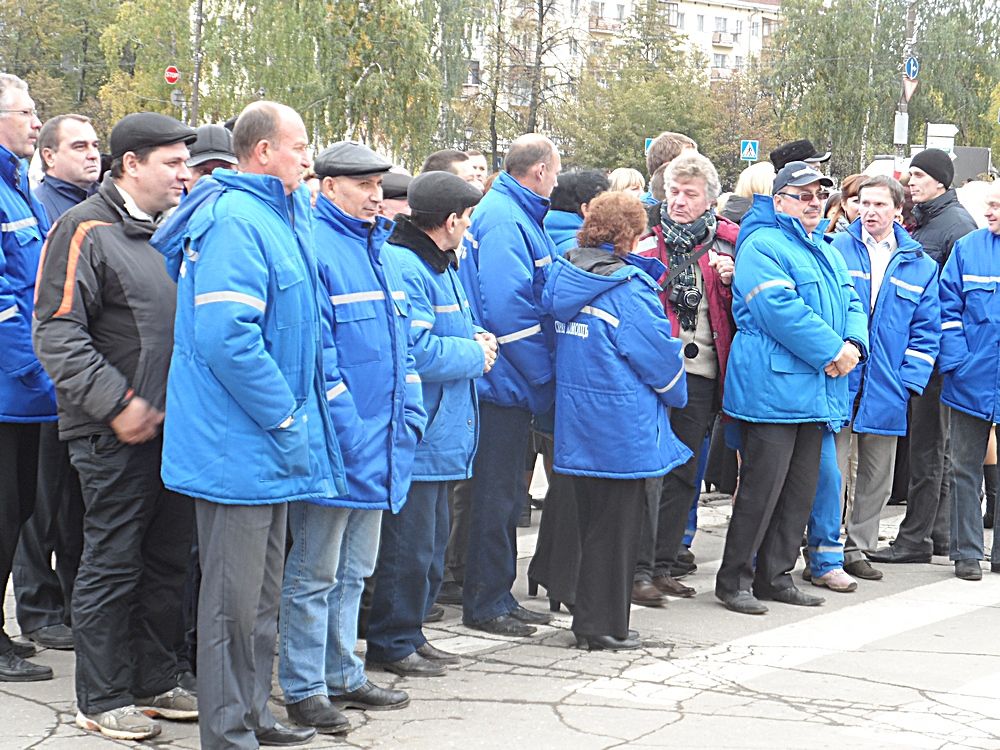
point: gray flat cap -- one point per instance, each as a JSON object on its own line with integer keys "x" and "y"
{"x": 349, "y": 158}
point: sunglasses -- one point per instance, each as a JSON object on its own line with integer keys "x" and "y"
{"x": 820, "y": 195}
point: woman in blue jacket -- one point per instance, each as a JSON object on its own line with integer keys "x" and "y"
{"x": 618, "y": 370}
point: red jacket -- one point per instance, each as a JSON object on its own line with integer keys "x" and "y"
{"x": 718, "y": 295}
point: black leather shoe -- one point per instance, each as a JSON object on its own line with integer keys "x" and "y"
{"x": 22, "y": 649}
{"x": 529, "y": 617}
{"x": 58, "y": 637}
{"x": 969, "y": 570}
{"x": 371, "y": 697}
{"x": 281, "y": 736}
{"x": 995, "y": 567}
{"x": 436, "y": 614}
{"x": 862, "y": 569}
{"x": 645, "y": 594}
{"x": 681, "y": 569}
{"x": 15, "y": 669}
{"x": 503, "y": 625}
{"x": 672, "y": 587}
{"x": 606, "y": 643}
{"x": 319, "y": 713}
{"x": 685, "y": 555}
{"x": 898, "y": 554}
{"x": 413, "y": 665}
{"x": 743, "y": 602}
{"x": 435, "y": 654}
{"x": 792, "y": 595}
{"x": 450, "y": 593}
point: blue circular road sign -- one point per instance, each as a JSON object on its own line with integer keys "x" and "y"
{"x": 912, "y": 68}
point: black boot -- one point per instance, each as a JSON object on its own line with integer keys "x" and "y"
{"x": 991, "y": 475}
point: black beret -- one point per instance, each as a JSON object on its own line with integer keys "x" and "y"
{"x": 395, "y": 185}
{"x": 147, "y": 130}
{"x": 349, "y": 158}
{"x": 801, "y": 150}
{"x": 442, "y": 192}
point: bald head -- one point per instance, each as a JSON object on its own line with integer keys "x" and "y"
{"x": 270, "y": 138}
{"x": 533, "y": 161}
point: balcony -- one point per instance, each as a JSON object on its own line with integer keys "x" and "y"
{"x": 604, "y": 25}
{"x": 724, "y": 38}
{"x": 722, "y": 74}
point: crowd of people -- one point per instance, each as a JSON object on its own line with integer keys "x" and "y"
{"x": 251, "y": 399}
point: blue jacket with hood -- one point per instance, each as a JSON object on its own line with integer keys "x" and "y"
{"x": 503, "y": 264}
{"x": 794, "y": 307}
{"x": 562, "y": 227}
{"x": 904, "y": 330}
{"x": 373, "y": 389}
{"x": 246, "y": 422}
{"x": 26, "y": 393}
{"x": 618, "y": 369}
{"x": 970, "y": 326}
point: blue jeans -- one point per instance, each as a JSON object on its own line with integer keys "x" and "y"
{"x": 333, "y": 551}
{"x": 826, "y": 552}
{"x": 969, "y": 436}
{"x": 408, "y": 573}
{"x": 498, "y": 495}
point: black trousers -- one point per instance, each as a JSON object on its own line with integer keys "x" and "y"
{"x": 556, "y": 561}
{"x": 659, "y": 545}
{"x": 44, "y": 595}
{"x": 458, "y": 539}
{"x": 18, "y": 480}
{"x": 609, "y": 513}
{"x": 778, "y": 480}
{"x": 127, "y": 600}
{"x": 928, "y": 501}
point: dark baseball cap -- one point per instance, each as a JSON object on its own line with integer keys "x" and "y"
{"x": 797, "y": 174}
{"x": 147, "y": 130}
{"x": 214, "y": 143}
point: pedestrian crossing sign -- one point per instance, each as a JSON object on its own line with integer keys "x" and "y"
{"x": 749, "y": 150}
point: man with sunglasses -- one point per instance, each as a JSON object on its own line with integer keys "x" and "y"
{"x": 800, "y": 329}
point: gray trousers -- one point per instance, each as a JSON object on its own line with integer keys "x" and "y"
{"x": 242, "y": 550}
{"x": 872, "y": 485}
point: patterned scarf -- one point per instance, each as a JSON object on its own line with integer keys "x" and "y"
{"x": 681, "y": 240}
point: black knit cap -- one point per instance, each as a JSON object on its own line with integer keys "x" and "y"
{"x": 147, "y": 130}
{"x": 937, "y": 164}
{"x": 442, "y": 192}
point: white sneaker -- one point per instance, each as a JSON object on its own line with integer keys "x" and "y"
{"x": 125, "y": 723}
{"x": 836, "y": 580}
{"x": 176, "y": 704}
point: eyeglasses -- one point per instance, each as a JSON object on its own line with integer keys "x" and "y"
{"x": 821, "y": 195}
{"x": 22, "y": 112}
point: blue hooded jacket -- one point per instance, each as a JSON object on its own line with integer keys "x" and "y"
{"x": 904, "y": 330}
{"x": 794, "y": 307}
{"x": 26, "y": 393}
{"x": 373, "y": 389}
{"x": 970, "y": 326}
{"x": 246, "y": 422}
{"x": 618, "y": 369}
{"x": 503, "y": 264}
{"x": 562, "y": 227}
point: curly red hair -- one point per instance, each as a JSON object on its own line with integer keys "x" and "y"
{"x": 615, "y": 218}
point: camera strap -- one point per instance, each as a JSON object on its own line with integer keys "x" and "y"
{"x": 675, "y": 272}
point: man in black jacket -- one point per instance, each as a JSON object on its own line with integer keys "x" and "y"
{"x": 941, "y": 221}
{"x": 104, "y": 332}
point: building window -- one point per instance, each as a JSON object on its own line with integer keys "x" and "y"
{"x": 701, "y": 22}
{"x": 473, "y": 78}
{"x": 596, "y": 9}
{"x": 680, "y": 21}
{"x": 739, "y": 26}
{"x": 719, "y": 60}
{"x": 768, "y": 26}
{"x": 621, "y": 12}
{"x": 755, "y": 29}
{"x": 672, "y": 14}
{"x": 738, "y": 62}
{"x": 574, "y": 7}
{"x": 720, "y": 23}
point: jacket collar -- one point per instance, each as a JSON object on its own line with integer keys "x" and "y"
{"x": 134, "y": 227}
{"x": 12, "y": 168}
{"x": 68, "y": 189}
{"x": 407, "y": 235}
{"x": 762, "y": 214}
{"x": 268, "y": 190}
{"x": 924, "y": 212}
{"x": 904, "y": 242}
{"x": 370, "y": 233}
{"x": 533, "y": 204}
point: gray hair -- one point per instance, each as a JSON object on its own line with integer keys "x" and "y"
{"x": 689, "y": 166}
{"x": 7, "y": 82}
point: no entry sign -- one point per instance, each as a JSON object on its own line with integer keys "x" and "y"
{"x": 171, "y": 75}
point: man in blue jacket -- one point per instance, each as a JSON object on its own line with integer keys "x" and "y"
{"x": 897, "y": 284}
{"x": 450, "y": 352}
{"x": 373, "y": 398}
{"x": 800, "y": 330}
{"x": 970, "y": 335}
{"x": 503, "y": 265}
{"x": 247, "y": 430}
{"x": 26, "y": 396}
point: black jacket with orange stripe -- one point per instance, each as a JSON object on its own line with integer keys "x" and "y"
{"x": 104, "y": 313}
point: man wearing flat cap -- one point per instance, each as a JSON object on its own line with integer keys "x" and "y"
{"x": 925, "y": 529}
{"x": 103, "y": 329}
{"x": 394, "y": 188}
{"x": 800, "y": 330}
{"x": 800, "y": 150}
{"x": 450, "y": 352}
{"x": 374, "y": 400}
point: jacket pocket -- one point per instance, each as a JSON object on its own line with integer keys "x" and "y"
{"x": 979, "y": 299}
{"x": 905, "y": 306}
{"x": 289, "y": 451}
{"x": 290, "y": 307}
{"x": 357, "y": 333}
{"x": 786, "y": 363}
